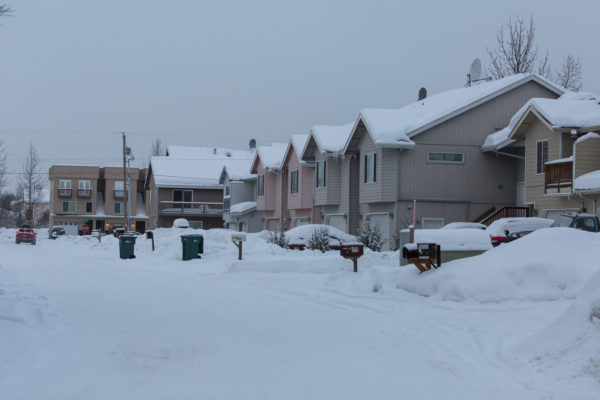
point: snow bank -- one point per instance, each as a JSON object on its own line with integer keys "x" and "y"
{"x": 569, "y": 346}
{"x": 451, "y": 240}
{"x": 516, "y": 225}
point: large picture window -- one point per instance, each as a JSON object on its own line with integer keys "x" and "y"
{"x": 294, "y": 182}
{"x": 183, "y": 196}
{"x": 68, "y": 206}
{"x": 260, "y": 185}
{"x": 321, "y": 168}
{"x": 370, "y": 168}
{"x": 450, "y": 158}
{"x": 542, "y": 156}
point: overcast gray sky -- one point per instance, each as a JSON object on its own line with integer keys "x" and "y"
{"x": 75, "y": 73}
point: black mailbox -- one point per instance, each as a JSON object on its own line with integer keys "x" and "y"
{"x": 149, "y": 235}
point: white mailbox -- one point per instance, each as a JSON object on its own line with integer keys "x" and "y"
{"x": 238, "y": 237}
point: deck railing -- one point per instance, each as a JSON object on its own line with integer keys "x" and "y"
{"x": 196, "y": 208}
{"x": 558, "y": 177}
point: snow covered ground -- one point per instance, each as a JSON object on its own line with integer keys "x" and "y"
{"x": 521, "y": 321}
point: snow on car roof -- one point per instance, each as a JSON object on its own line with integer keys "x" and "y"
{"x": 515, "y": 225}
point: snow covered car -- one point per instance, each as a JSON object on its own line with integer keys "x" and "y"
{"x": 181, "y": 223}
{"x": 464, "y": 225}
{"x": 506, "y": 230}
{"x": 585, "y": 222}
{"x": 25, "y": 235}
{"x": 56, "y": 231}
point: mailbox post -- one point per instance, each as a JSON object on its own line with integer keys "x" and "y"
{"x": 353, "y": 252}
{"x": 150, "y": 235}
{"x": 238, "y": 239}
{"x": 424, "y": 256}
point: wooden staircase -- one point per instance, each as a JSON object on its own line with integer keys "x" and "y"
{"x": 493, "y": 214}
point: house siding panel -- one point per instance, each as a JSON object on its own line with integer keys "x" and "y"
{"x": 587, "y": 157}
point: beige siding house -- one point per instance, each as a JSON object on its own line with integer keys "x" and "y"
{"x": 95, "y": 196}
{"x": 562, "y": 153}
{"x": 430, "y": 152}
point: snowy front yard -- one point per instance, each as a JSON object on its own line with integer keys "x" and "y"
{"x": 76, "y": 322}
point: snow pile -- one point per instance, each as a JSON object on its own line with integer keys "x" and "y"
{"x": 569, "y": 346}
{"x": 331, "y": 138}
{"x": 181, "y": 223}
{"x": 392, "y": 126}
{"x": 302, "y": 235}
{"x": 451, "y": 240}
{"x": 517, "y": 225}
{"x": 588, "y": 182}
{"x": 271, "y": 156}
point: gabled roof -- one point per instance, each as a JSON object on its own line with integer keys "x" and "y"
{"x": 271, "y": 156}
{"x": 237, "y": 170}
{"x": 195, "y": 167}
{"x": 297, "y": 144}
{"x": 396, "y": 128}
{"x": 579, "y": 111}
{"x": 329, "y": 138}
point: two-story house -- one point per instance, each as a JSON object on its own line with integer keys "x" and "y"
{"x": 239, "y": 198}
{"x": 429, "y": 152}
{"x": 562, "y": 152}
{"x": 185, "y": 184}
{"x": 269, "y": 183}
{"x": 95, "y": 196}
{"x": 324, "y": 148}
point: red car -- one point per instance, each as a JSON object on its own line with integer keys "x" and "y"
{"x": 26, "y": 235}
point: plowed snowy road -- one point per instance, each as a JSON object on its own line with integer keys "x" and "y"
{"x": 78, "y": 323}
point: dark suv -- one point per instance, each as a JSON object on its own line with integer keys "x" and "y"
{"x": 56, "y": 231}
{"x": 585, "y": 222}
{"x": 25, "y": 235}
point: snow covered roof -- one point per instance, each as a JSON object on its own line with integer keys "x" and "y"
{"x": 271, "y": 156}
{"x": 240, "y": 208}
{"x": 331, "y": 138}
{"x": 196, "y": 166}
{"x": 297, "y": 143}
{"x": 589, "y": 182}
{"x": 570, "y": 111}
{"x": 397, "y": 127}
{"x": 587, "y": 136}
{"x": 237, "y": 170}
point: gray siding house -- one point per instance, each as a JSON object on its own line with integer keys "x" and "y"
{"x": 430, "y": 152}
{"x": 239, "y": 199}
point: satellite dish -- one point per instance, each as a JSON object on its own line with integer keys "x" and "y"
{"x": 475, "y": 71}
{"x": 422, "y": 93}
{"x": 252, "y": 143}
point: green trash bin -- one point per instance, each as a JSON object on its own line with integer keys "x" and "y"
{"x": 126, "y": 246}
{"x": 193, "y": 246}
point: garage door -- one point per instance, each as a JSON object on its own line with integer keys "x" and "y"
{"x": 71, "y": 228}
{"x": 383, "y": 222}
{"x": 337, "y": 221}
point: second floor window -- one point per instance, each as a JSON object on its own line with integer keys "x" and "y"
{"x": 321, "y": 167}
{"x": 119, "y": 185}
{"x": 65, "y": 184}
{"x": 68, "y": 206}
{"x": 370, "y": 168}
{"x": 294, "y": 182}
{"x": 84, "y": 185}
{"x": 260, "y": 185}
{"x": 88, "y": 207}
{"x": 227, "y": 191}
{"x": 542, "y": 156}
{"x": 183, "y": 196}
{"x": 118, "y": 208}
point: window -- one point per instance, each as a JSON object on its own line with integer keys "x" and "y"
{"x": 432, "y": 223}
{"x": 118, "y": 208}
{"x": 370, "y": 168}
{"x": 119, "y": 185}
{"x": 84, "y": 185}
{"x": 451, "y": 158}
{"x": 321, "y": 169}
{"x": 227, "y": 190}
{"x": 183, "y": 196}
{"x": 541, "y": 156}
{"x": 65, "y": 184}
{"x": 88, "y": 207}
{"x": 68, "y": 206}
{"x": 294, "y": 182}
{"x": 260, "y": 185}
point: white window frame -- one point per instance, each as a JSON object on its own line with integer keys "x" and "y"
{"x": 537, "y": 157}
{"x": 321, "y": 171}
{"x": 370, "y": 168}
{"x": 442, "y": 161}
{"x": 424, "y": 219}
{"x": 294, "y": 181}
{"x": 65, "y": 184}
{"x": 121, "y": 207}
{"x": 70, "y": 203}
{"x": 84, "y": 185}
{"x": 120, "y": 185}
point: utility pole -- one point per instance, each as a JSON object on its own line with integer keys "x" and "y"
{"x": 125, "y": 214}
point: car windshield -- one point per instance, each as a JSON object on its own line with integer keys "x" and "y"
{"x": 563, "y": 221}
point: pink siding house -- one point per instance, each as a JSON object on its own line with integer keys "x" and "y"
{"x": 297, "y": 186}
{"x": 267, "y": 167}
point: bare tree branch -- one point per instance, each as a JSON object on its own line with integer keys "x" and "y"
{"x": 3, "y": 176}
{"x": 31, "y": 183}
{"x": 4, "y": 10}
{"x": 569, "y": 75}
{"x": 157, "y": 147}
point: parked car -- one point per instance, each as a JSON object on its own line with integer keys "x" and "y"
{"x": 56, "y": 231}
{"x": 506, "y": 230}
{"x": 25, "y": 235}
{"x": 118, "y": 231}
{"x": 586, "y": 222}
